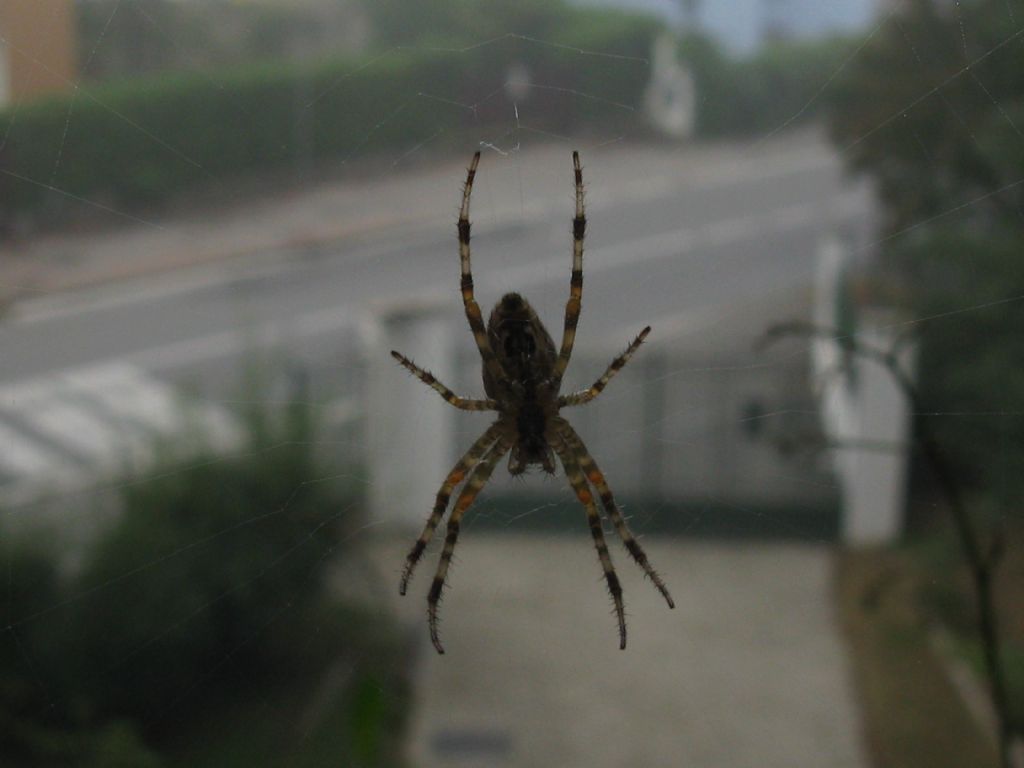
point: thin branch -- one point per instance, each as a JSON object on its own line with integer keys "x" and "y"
{"x": 981, "y": 562}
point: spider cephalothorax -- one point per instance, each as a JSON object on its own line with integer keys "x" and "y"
{"x": 522, "y": 376}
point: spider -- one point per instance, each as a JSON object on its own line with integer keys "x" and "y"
{"x": 522, "y": 375}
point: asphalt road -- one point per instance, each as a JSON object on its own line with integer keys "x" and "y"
{"x": 671, "y": 237}
{"x": 662, "y": 244}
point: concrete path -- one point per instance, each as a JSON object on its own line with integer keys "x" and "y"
{"x": 749, "y": 670}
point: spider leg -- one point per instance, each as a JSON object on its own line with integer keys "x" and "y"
{"x": 473, "y": 314}
{"x": 597, "y": 479}
{"x": 586, "y": 395}
{"x": 458, "y": 473}
{"x": 476, "y": 482}
{"x": 579, "y": 484}
{"x": 573, "y": 306}
{"x": 462, "y": 403}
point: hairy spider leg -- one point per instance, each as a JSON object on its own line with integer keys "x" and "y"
{"x": 458, "y": 473}
{"x": 462, "y": 403}
{"x": 597, "y": 480}
{"x": 579, "y": 485}
{"x": 574, "y": 304}
{"x": 586, "y": 395}
{"x": 473, "y": 314}
{"x": 476, "y": 482}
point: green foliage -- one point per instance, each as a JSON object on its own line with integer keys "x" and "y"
{"x": 142, "y": 36}
{"x": 148, "y": 36}
{"x": 777, "y": 86}
{"x": 933, "y": 131}
{"x": 971, "y": 359}
{"x": 218, "y": 552}
{"x": 38, "y": 725}
{"x": 468, "y": 22}
{"x": 208, "y": 589}
{"x": 942, "y": 140}
{"x": 142, "y": 141}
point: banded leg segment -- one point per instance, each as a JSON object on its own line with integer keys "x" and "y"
{"x": 462, "y": 403}
{"x": 579, "y": 485}
{"x": 469, "y": 492}
{"x": 458, "y": 473}
{"x": 597, "y": 479}
{"x": 473, "y": 314}
{"x": 575, "y": 303}
{"x": 586, "y": 395}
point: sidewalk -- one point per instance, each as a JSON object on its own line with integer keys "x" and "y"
{"x": 397, "y": 200}
{"x": 749, "y": 671}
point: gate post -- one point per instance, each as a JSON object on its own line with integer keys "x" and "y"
{"x": 408, "y": 429}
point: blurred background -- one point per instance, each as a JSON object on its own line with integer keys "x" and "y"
{"x": 217, "y": 217}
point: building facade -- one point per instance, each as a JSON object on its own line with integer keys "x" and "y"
{"x": 37, "y": 48}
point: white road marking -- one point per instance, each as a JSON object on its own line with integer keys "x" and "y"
{"x": 684, "y": 240}
{"x": 144, "y": 290}
{"x": 676, "y": 242}
{"x": 275, "y": 260}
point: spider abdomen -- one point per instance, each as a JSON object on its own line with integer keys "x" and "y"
{"x": 523, "y": 347}
{"x": 525, "y": 393}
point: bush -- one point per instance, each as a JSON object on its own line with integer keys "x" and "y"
{"x": 467, "y": 22}
{"x": 211, "y": 580}
{"x": 218, "y": 552}
{"x": 142, "y": 141}
{"x": 971, "y": 363}
{"x": 39, "y": 726}
{"x": 946, "y": 171}
{"x": 776, "y": 86}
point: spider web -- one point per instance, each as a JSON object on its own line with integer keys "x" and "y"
{"x": 700, "y": 240}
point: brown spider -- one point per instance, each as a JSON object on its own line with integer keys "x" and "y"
{"x": 522, "y": 375}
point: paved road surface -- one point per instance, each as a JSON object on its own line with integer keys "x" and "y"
{"x": 674, "y": 237}
{"x": 668, "y": 233}
{"x": 747, "y": 672}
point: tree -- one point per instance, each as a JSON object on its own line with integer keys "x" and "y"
{"x": 933, "y": 110}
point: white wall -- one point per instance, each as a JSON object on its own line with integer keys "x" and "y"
{"x": 5, "y": 77}
{"x": 865, "y": 415}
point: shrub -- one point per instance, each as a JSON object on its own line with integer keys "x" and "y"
{"x": 141, "y": 141}
{"x": 38, "y": 725}
{"x": 778, "y": 85}
{"x": 214, "y": 573}
{"x": 217, "y": 553}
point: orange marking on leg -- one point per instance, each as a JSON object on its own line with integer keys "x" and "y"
{"x": 456, "y": 476}
{"x": 584, "y": 495}
{"x": 595, "y": 477}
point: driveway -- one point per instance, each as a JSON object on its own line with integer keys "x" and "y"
{"x": 749, "y": 670}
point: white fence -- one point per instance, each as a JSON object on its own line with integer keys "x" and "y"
{"x": 672, "y": 429}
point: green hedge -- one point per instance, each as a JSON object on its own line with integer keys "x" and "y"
{"x": 781, "y": 84}
{"x": 206, "y": 596}
{"x": 142, "y": 141}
